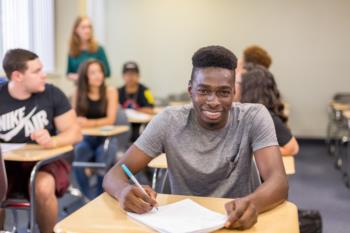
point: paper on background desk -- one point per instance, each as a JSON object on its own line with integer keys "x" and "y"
{"x": 131, "y": 113}
{"x": 182, "y": 216}
{"x": 6, "y": 147}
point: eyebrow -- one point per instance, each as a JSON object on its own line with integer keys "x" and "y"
{"x": 219, "y": 87}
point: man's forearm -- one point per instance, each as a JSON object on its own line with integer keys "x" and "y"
{"x": 115, "y": 181}
{"x": 270, "y": 193}
{"x": 69, "y": 137}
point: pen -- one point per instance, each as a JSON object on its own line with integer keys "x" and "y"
{"x": 133, "y": 178}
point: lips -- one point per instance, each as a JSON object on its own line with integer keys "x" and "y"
{"x": 212, "y": 115}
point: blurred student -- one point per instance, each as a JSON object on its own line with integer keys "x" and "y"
{"x": 32, "y": 111}
{"x": 96, "y": 105}
{"x": 135, "y": 95}
{"x": 255, "y": 55}
{"x": 83, "y": 46}
{"x": 209, "y": 147}
{"x": 259, "y": 86}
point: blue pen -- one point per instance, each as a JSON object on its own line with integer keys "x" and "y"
{"x": 133, "y": 178}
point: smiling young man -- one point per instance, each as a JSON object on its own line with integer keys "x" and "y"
{"x": 209, "y": 147}
{"x": 32, "y": 111}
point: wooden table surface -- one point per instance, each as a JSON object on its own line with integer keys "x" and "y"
{"x": 340, "y": 106}
{"x": 105, "y": 131}
{"x": 161, "y": 162}
{"x": 104, "y": 215}
{"x": 33, "y": 152}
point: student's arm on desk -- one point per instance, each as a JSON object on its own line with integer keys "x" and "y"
{"x": 147, "y": 110}
{"x": 243, "y": 211}
{"x": 291, "y": 148}
{"x": 130, "y": 197}
{"x": 68, "y": 128}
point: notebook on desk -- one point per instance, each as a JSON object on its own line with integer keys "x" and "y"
{"x": 183, "y": 216}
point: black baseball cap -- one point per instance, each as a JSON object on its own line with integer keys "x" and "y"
{"x": 130, "y": 66}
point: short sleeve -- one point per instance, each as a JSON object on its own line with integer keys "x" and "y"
{"x": 152, "y": 139}
{"x": 103, "y": 58}
{"x": 60, "y": 101}
{"x": 282, "y": 132}
{"x": 69, "y": 65}
{"x": 262, "y": 131}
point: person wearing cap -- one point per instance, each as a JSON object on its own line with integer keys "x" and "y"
{"x": 134, "y": 94}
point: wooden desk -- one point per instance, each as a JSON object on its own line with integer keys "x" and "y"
{"x": 138, "y": 117}
{"x": 104, "y": 215}
{"x": 346, "y": 114}
{"x": 33, "y": 152}
{"x": 339, "y": 106}
{"x": 161, "y": 163}
{"x": 106, "y": 131}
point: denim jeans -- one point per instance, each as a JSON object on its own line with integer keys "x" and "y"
{"x": 90, "y": 149}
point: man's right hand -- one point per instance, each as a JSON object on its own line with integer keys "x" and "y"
{"x": 132, "y": 199}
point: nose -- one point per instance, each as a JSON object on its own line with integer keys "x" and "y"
{"x": 213, "y": 100}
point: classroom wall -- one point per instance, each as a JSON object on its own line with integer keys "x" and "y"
{"x": 308, "y": 40}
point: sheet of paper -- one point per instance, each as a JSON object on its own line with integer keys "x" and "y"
{"x": 182, "y": 216}
{"x": 6, "y": 147}
{"x": 131, "y": 113}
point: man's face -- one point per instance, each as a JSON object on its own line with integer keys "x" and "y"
{"x": 131, "y": 78}
{"x": 34, "y": 78}
{"x": 212, "y": 92}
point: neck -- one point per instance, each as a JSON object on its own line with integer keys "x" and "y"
{"x": 84, "y": 45}
{"x": 132, "y": 88}
{"x": 94, "y": 92}
{"x": 17, "y": 91}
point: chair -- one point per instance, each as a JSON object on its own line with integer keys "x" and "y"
{"x": 3, "y": 179}
{"x": 27, "y": 204}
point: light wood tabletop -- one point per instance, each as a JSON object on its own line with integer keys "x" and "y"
{"x": 33, "y": 152}
{"x": 106, "y": 131}
{"x": 138, "y": 117}
{"x": 346, "y": 114}
{"x": 104, "y": 215}
{"x": 160, "y": 162}
{"x": 340, "y": 106}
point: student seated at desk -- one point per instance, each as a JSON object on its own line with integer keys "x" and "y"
{"x": 209, "y": 147}
{"x": 259, "y": 86}
{"x": 134, "y": 94}
{"x": 96, "y": 105}
{"x": 254, "y": 55}
{"x": 32, "y": 111}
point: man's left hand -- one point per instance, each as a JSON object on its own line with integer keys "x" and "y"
{"x": 241, "y": 213}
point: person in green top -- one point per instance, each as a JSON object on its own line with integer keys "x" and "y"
{"x": 83, "y": 46}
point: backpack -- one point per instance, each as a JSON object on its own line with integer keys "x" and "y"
{"x": 310, "y": 221}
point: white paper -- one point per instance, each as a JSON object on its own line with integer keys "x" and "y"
{"x": 131, "y": 113}
{"x": 183, "y": 216}
{"x": 6, "y": 147}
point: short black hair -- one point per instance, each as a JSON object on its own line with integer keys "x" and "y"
{"x": 16, "y": 60}
{"x": 213, "y": 56}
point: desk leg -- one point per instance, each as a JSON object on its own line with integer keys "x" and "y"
{"x": 154, "y": 178}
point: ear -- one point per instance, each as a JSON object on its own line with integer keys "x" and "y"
{"x": 189, "y": 88}
{"x": 16, "y": 76}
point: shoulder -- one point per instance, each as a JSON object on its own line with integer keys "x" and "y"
{"x": 100, "y": 49}
{"x": 247, "y": 110}
{"x": 177, "y": 113}
{"x": 143, "y": 87}
{"x": 111, "y": 90}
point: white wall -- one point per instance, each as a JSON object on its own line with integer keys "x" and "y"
{"x": 308, "y": 40}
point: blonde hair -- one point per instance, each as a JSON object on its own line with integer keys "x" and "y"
{"x": 75, "y": 42}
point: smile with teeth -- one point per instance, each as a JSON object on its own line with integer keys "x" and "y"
{"x": 212, "y": 115}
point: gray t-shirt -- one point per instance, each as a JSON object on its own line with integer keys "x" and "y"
{"x": 205, "y": 162}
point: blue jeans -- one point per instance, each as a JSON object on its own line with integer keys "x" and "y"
{"x": 91, "y": 150}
